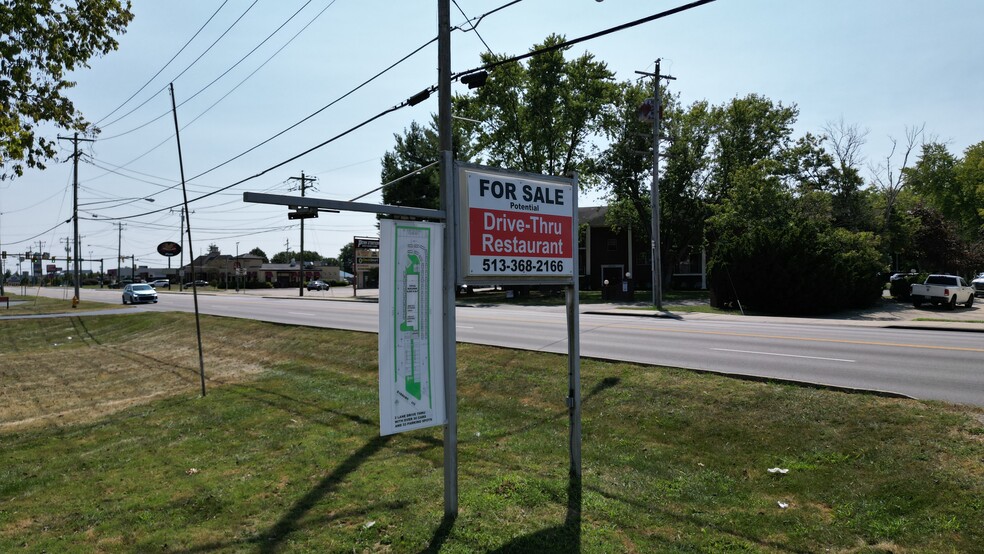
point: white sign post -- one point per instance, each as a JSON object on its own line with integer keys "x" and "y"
{"x": 411, "y": 368}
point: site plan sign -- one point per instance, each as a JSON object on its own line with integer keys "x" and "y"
{"x": 411, "y": 337}
{"x": 516, "y": 227}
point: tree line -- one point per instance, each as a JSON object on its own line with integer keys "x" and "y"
{"x": 791, "y": 224}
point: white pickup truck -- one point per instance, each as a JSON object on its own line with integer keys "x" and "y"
{"x": 949, "y": 290}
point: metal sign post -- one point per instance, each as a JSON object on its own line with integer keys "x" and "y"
{"x": 520, "y": 228}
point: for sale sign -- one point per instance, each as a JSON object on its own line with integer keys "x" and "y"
{"x": 516, "y": 227}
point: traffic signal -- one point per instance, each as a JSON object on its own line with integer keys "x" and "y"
{"x": 475, "y": 80}
{"x": 3, "y": 254}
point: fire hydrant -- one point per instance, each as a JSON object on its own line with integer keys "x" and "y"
{"x": 75, "y": 301}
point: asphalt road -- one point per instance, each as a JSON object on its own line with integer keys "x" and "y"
{"x": 922, "y": 363}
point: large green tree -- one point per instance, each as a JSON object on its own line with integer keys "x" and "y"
{"x": 773, "y": 254}
{"x": 408, "y": 183}
{"x": 970, "y": 175}
{"x": 42, "y": 41}
{"x": 540, "y": 117}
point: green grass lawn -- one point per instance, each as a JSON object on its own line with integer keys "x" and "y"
{"x": 36, "y": 304}
{"x": 284, "y": 454}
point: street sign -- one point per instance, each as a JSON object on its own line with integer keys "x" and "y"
{"x": 303, "y": 213}
{"x": 516, "y": 227}
{"x": 369, "y": 243}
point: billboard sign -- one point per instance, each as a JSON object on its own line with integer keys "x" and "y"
{"x": 516, "y": 227}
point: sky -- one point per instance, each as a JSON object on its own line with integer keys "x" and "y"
{"x": 883, "y": 65}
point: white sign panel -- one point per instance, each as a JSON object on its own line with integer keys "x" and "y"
{"x": 516, "y": 227}
{"x": 411, "y": 363}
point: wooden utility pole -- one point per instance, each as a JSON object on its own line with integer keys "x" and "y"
{"x": 300, "y": 261}
{"x": 75, "y": 208}
{"x": 657, "y": 114}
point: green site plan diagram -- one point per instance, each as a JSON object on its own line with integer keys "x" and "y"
{"x": 412, "y": 395}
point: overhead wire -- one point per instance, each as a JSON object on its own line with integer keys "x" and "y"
{"x": 318, "y": 111}
{"x": 277, "y": 165}
{"x": 165, "y": 66}
{"x": 233, "y": 89}
{"x": 192, "y": 64}
{"x": 221, "y": 75}
{"x": 455, "y": 76}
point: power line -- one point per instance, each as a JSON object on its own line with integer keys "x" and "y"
{"x": 585, "y": 38}
{"x": 275, "y": 166}
{"x": 183, "y": 71}
{"x": 159, "y": 71}
{"x": 323, "y": 108}
{"x": 416, "y": 98}
{"x": 221, "y": 75}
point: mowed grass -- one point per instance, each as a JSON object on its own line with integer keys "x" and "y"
{"x": 107, "y": 446}
{"x": 28, "y": 304}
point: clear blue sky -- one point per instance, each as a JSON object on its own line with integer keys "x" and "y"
{"x": 881, "y": 64}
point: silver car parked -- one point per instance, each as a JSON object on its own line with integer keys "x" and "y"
{"x": 139, "y": 292}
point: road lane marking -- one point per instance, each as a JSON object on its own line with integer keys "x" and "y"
{"x": 783, "y": 355}
{"x": 302, "y": 313}
{"x": 747, "y": 335}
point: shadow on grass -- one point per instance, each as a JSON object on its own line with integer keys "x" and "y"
{"x": 273, "y": 539}
{"x": 564, "y": 538}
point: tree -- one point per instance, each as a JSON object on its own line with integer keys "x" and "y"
{"x": 970, "y": 176}
{"x": 287, "y": 256}
{"x": 417, "y": 148}
{"x": 539, "y": 117}
{"x": 346, "y": 258}
{"x": 889, "y": 180}
{"x": 771, "y": 255}
{"x": 746, "y": 131}
{"x": 260, "y": 253}
{"x": 213, "y": 249}
{"x": 43, "y": 40}
{"x": 851, "y": 204}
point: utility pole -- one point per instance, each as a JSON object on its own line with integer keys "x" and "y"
{"x": 657, "y": 114}
{"x": 448, "y": 203}
{"x": 3, "y": 265}
{"x": 75, "y": 208}
{"x": 304, "y": 180}
{"x": 68, "y": 256}
{"x": 35, "y": 268}
{"x": 119, "y": 255}
{"x": 181, "y": 257}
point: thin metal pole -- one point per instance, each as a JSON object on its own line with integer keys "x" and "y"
{"x": 448, "y": 202}
{"x": 574, "y": 354}
{"x": 191, "y": 255}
